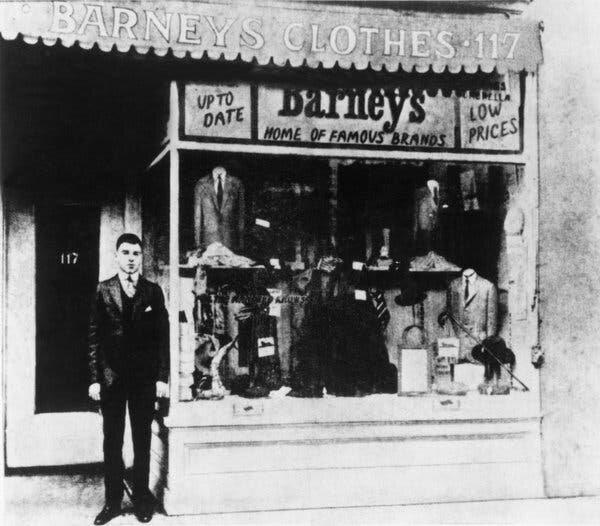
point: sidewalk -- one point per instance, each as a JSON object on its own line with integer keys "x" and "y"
{"x": 64, "y": 500}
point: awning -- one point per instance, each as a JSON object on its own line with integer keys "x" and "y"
{"x": 293, "y": 34}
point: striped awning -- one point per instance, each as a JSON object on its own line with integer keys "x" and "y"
{"x": 284, "y": 34}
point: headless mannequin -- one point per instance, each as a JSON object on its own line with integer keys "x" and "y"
{"x": 434, "y": 187}
{"x": 473, "y": 301}
{"x": 469, "y": 274}
{"x": 425, "y": 227}
{"x": 219, "y": 209}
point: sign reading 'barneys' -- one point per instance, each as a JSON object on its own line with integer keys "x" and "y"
{"x": 317, "y": 34}
{"x": 391, "y": 118}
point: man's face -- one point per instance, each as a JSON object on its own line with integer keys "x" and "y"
{"x": 129, "y": 257}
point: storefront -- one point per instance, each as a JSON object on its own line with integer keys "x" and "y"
{"x": 377, "y": 164}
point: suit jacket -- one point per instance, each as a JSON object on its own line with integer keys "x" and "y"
{"x": 225, "y": 225}
{"x": 479, "y": 313}
{"x": 425, "y": 221}
{"x": 426, "y": 211}
{"x": 108, "y": 356}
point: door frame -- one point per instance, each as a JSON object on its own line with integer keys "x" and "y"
{"x": 34, "y": 439}
{"x": 48, "y": 439}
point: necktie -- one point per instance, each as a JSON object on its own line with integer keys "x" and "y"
{"x": 130, "y": 289}
{"x": 219, "y": 192}
{"x": 466, "y": 289}
{"x": 436, "y": 197}
{"x": 383, "y": 314}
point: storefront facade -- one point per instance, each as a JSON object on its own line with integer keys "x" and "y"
{"x": 332, "y": 119}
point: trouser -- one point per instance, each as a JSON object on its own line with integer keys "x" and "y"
{"x": 140, "y": 398}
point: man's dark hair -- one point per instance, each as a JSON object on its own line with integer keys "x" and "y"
{"x": 132, "y": 239}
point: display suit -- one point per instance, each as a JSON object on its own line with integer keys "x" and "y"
{"x": 426, "y": 220}
{"x": 478, "y": 311}
{"x": 222, "y": 222}
{"x": 128, "y": 353}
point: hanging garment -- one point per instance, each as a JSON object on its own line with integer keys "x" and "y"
{"x": 468, "y": 188}
{"x": 340, "y": 347}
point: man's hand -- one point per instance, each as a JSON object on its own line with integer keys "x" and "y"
{"x": 94, "y": 392}
{"x": 162, "y": 390}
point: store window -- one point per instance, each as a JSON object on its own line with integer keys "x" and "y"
{"x": 315, "y": 277}
{"x": 319, "y": 256}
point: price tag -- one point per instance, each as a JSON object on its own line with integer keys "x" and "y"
{"x": 446, "y": 404}
{"x": 266, "y": 347}
{"x": 248, "y": 408}
{"x": 360, "y": 295}
{"x": 448, "y": 348}
{"x": 357, "y": 265}
{"x": 262, "y": 222}
{"x": 275, "y": 305}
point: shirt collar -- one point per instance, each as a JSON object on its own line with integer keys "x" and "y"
{"x": 216, "y": 178}
{"x": 471, "y": 279}
{"x": 123, "y": 277}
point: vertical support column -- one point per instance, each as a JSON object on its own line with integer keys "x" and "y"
{"x": 334, "y": 165}
{"x": 174, "y": 241}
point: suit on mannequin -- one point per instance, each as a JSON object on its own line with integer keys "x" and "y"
{"x": 425, "y": 226}
{"x": 473, "y": 301}
{"x": 219, "y": 208}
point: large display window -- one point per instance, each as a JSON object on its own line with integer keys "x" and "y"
{"x": 318, "y": 286}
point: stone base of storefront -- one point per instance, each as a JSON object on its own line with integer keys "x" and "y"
{"x": 259, "y": 464}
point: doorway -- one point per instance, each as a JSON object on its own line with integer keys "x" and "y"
{"x": 67, "y": 241}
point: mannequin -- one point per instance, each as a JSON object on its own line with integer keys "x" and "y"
{"x": 473, "y": 301}
{"x": 426, "y": 217}
{"x": 219, "y": 210}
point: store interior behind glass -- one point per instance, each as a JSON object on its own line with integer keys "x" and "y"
{"x": 343, "y": 277}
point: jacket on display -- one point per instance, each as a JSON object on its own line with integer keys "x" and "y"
{"x": 478, "y": 312}
{"x": 224, "y": 224}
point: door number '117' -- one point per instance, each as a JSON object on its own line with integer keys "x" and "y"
{"x": 69, "y": 258}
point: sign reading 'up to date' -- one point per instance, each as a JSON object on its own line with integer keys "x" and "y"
{"x": 217, "y": 111}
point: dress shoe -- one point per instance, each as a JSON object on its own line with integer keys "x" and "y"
{"x": 144, "y": 507}
{"x": 108, "y": 513}
{"x": 144, "y": 513}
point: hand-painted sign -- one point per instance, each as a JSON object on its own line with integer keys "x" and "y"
{"x": 217, "y": 111}
{"x": 391, "y": 117}
{"x": 489, "y": 120}
{"x": 397, "y": 118}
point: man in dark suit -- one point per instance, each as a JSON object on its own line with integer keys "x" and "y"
{"x": 129, "y": 364}
{"x": 219, "y": 208}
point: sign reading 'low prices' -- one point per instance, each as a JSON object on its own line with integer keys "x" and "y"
{"x": 489, "y": 120}
{"x": 396, "y": 118}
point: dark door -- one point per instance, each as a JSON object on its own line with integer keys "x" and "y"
{"x": 67, "y": 237}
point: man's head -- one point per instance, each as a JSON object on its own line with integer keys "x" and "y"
{"x": 129, "y": 253}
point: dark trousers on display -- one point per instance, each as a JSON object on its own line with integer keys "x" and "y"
{"x": 140, "y": 398}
